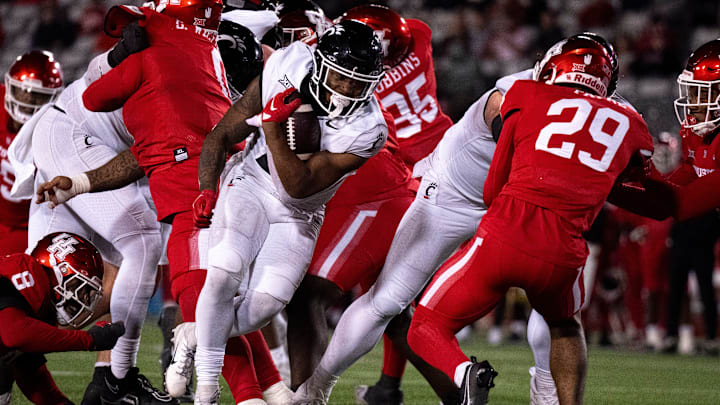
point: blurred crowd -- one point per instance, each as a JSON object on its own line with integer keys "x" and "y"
{"x": 641, "y": 294}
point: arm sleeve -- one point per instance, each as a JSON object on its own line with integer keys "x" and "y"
{"x": 683, "y": 175}
{"x": 27, "y": 334}
{"x": 698, "y": 197}
{"x": 109, "y": 92}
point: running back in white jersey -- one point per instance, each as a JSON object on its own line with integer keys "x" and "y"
{"x": 362, "y": 134}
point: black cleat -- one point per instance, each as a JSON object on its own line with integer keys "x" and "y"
{"x": 134, "y": 389}
{"x": 477, "y": 382}
{"x": 96, "y": 386}
{"x": 378, "y": 395}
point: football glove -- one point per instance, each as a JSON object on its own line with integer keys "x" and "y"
{"x": 203, "y": 207}
{"x": 282, "y": 106}
{"x": 105, "y": 335}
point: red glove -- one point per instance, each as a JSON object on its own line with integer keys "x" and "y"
{"x": 281, "y": 106}
{"x": 203, "y": 207}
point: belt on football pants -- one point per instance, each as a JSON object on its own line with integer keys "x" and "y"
{"x": 262, "y": 161}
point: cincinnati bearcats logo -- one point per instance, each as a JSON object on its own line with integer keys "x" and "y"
{"x": 430, "y": 190}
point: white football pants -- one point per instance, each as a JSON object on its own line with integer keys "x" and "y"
{"x": 122, "y": 222}
{"x": 260, "y": 250}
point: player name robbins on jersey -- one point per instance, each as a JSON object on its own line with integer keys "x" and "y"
{"x": 398, "y": 72}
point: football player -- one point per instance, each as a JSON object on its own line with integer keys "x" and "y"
{"x": 533, "y": 184}
{"x": 67, "y": 138}
{"x": 190, "y": 98}
{"x": 359, "y": 223}
{"x": 409, "y": 89}
{"x": 444, "y": 214}
{"x": 262, "y": 251}
{"x": 698, "y": 111}
{"x": 34, "y": 79}
{"x": 60, "y": 282}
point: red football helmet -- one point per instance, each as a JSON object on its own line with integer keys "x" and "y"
{"x": 203, "y": 13}
{"x": 78, "y": 270}
{"x": 301, "y": 22}
{"x": 698, "y": 106}
{"x": 577, "y": 60}
{"x": 391, "y": 29}
{"x": 34, "y": 79}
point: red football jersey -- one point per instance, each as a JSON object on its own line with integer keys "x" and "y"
{"x": 383, "y": 176}
{"x": 172, "y": 93}
{"x": 14, "y": 212}
{"x": 31, "y": 280}
{"x": 701, "y": 154}
{"x": 559, "y": 154}
{"x": 409, "y": 92}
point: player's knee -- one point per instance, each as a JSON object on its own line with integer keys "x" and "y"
{"x": 220, "y": 285}
{"x": 145, "y": 246}
{"x": 224, "y": 256}
{"x": 383, "y": 306}
{"x": 261, "y": 308}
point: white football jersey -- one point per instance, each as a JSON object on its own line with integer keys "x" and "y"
{"x": 109, "y": 127}
{"x": 362, "y": 134}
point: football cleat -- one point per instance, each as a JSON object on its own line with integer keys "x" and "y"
{"x": 207, "y": 395}
{"x": 377, "y": 395}
{"x": 179, "y": 373}
{"x": 477, "y": 382}
{"x": 134, "y": 389}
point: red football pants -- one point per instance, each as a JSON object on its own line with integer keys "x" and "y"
{"x": 471, "y": 283}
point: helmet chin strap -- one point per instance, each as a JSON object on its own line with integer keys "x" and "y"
{"x": 337, "y": 105}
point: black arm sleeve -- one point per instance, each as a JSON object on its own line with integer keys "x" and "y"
{"x": 10, "y": 297}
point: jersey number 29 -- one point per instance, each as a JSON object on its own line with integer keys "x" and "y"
{"x": 611, "y": 141}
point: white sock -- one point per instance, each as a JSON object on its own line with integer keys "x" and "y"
{"x": 123, "y": 356}
{"x": 460, "y": 373}
{"x": 538, "y": 336}
{"x": 209, "y": 364}
{"x": 102, "y": 364}
{"x": 278, "y": 394}
{"x": 253, "y": 401}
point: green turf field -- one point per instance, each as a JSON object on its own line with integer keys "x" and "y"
{"x": 614, "y": 377}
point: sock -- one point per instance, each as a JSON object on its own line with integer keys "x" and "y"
{"x": 431, "y": 338}
{"x": 102, "y": 364}
{"x": 278, "y": 393}
{"x": 238, "y": 370}
{"x": 123, "y": 356}
{"x": 393, "y": 361}
{"x": 460, "y": 373}
{"x": 282, "y": 362}
{"x": 208, "y": 365}
{"x": 265, "y": 369}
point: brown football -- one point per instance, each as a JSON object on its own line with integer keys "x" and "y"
{"x": 302, "y": 132}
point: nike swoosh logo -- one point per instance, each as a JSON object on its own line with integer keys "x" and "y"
{"x": 113, "y": 388}
{"x": 272, "y": 105}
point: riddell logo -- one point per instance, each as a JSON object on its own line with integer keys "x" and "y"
{"x": 589, "y": 81}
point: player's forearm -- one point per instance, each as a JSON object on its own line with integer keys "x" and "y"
{"x": 699, "y": 197}
{"x": 231, "y": 130}
{"x": 122, "y": 170}
{"x": 293, "y": 173}
{"x": 27, "y": 334}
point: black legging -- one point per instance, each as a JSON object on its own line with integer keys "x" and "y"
{"x": 693, "y": 249}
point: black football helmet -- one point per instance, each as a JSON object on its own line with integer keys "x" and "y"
{"x": 242, "y": 56}
{"x": 612, "y": 86}
{"x": 348, "y": 66}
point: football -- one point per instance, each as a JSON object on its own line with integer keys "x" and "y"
{"x": 302, "y": 132}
